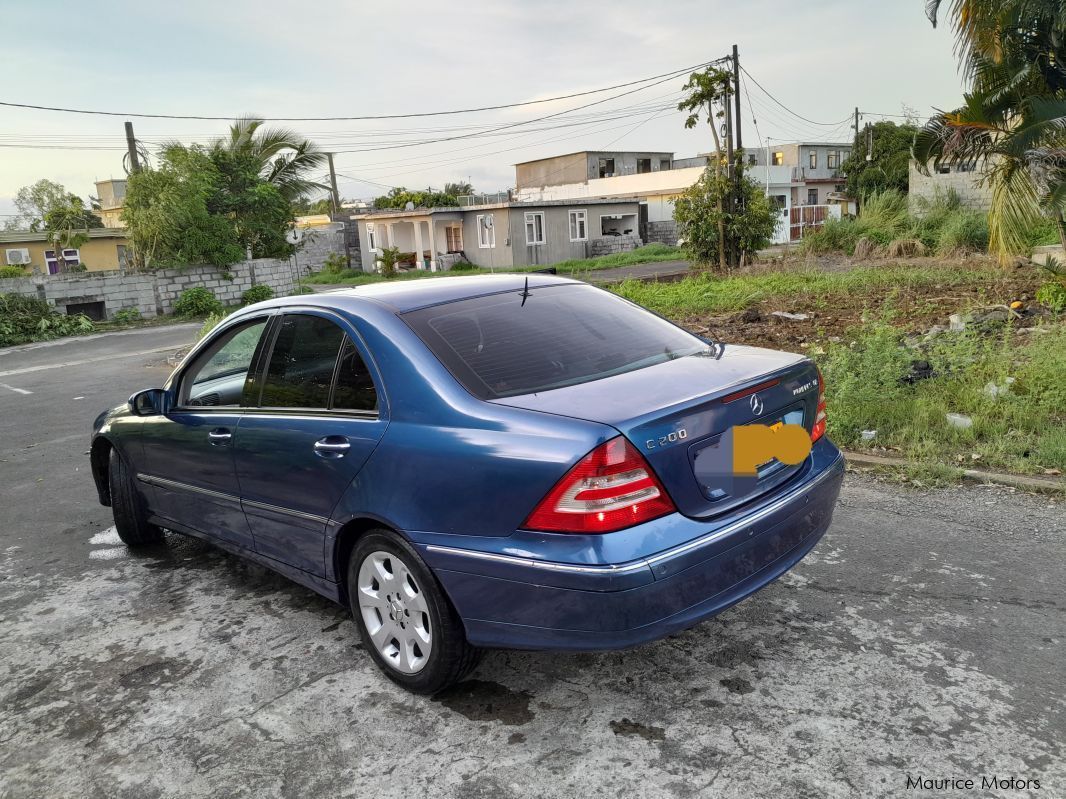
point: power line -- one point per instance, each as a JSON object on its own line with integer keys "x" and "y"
{"x": 354, "y": 118}
{"x": 514, "y": 124}
{"x": 798, "y": 116}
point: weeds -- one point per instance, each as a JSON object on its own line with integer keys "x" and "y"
{"x": 1022, "y": 430}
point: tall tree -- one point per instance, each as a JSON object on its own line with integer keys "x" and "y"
{"x": 36, "y": 201}
{"x": 1012, "y": 55}
{"x": 708, "y": 92}
{"x": 888, "y": 166}
{"x": 282, "y": 157}
{"x": 204, "y": 206}
{"x": 67, "y": 223}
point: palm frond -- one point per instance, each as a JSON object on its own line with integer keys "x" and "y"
{"x": 1013, "y": 208}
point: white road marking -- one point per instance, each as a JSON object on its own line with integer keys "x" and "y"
{"x": 78, "y": 398}
{"x": 44, "y": 367}
{"x": 16, "y": 390}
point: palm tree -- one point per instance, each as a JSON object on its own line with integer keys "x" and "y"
{"x": 1012, "y": 56}
{"x": 284, "y": 159}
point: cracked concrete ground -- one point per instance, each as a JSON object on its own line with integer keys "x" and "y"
{"x": 924, "y": 636}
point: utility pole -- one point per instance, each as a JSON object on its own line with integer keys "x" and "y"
{"x": 337, "y": 210}
{"x": 856, "y": 123}
{"x": 131, "y": 145}
{"x": 333, "y": 183}
{"x": 731, "y": 170}
{"x": 736, "y": 88}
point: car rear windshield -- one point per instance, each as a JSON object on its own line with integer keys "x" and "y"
{"x": 503, "y": 345}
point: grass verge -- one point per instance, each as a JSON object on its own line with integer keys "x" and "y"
{"x": 1023, "y": 430}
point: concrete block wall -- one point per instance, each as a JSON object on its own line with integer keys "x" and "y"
{"x": 970, "y": 187}
{"x": 612, "y": 244}
{"x": 154, "y": 293}
{"x": 663, "y": 232}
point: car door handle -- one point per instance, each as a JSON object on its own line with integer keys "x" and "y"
{"x": 220, "y": 435}
{"x": 332, "y": 446}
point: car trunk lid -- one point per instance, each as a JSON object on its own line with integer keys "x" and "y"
{"x": 676, "y": 413}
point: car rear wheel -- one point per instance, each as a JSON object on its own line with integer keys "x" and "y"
{"x": 406, "y": 623}
{"x": 127, "y": 507}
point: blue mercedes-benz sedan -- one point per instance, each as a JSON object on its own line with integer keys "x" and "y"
{"x": 471, "y": 462}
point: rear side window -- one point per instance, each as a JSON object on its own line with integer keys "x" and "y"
{"x": 499, "y": 346}
{"x": 300, "y": 371}
{"x": 354, "y": 389}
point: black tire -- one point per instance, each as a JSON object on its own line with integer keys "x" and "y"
{"x": 127, "y": 506}
{"x": 451, "y": 657}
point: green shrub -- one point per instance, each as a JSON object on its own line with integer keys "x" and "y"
{"x": 335, "y": 262}
{"x": 197, "y": 301}
{"x": 13, "y": 271}
{"x": 125, "y": 316}
{"x": 24, "y": 319}
{"x": 962, "y": 231}
{"x": 1053, "y": 295}
{"x": 260, "y": 292}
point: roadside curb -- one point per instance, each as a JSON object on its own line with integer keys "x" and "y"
{"x": 977, "y": 475}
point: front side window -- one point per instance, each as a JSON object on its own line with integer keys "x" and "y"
{"x": 812, "y": 196}
{"x": 814, "y": 159}
{"x": 371, "y": 236}
{"x": 219, "y": 375}
{"x": 833, "y": 161}
{"x": 779, "y": 159}
{"x": 502, "y": 345}
{"x": 535, "y": 228}
{"x": 300, "y": 371}
{"x": 643, "y": 165}
{"x": 579, "y": 225}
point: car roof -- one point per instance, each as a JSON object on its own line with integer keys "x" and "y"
{"x": 409, "y": 295}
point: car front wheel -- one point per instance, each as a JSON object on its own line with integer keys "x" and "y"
{"x": 127, "y": 506}
{"x": 406, "y": 623}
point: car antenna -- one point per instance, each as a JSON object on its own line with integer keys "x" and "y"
{"x": 525, "y": 293}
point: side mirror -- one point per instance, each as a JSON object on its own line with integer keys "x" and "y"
{"x": 150, "y": 402}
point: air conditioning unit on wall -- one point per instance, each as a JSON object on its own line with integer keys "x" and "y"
{"x": 18, "y": 257}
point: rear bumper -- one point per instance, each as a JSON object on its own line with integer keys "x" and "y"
{"x": 528, "y": 601}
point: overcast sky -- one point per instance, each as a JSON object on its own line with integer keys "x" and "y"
{"x": 821, "y": 59}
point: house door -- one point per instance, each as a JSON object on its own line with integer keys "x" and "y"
{"x": 642, "y": 225}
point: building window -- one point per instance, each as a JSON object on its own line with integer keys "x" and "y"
{"x": 486, "y": 231}
{"x": 371, "y": 236}
{"x": 71, "y": 257}
{"x": 779, "y": 201}
{"x": 814, "y": 159}
{"x": 779, "y": 159}
{"x": 579, "y": 226}
{"x": 453, "y": 235}
{"x": 664, "y": 163}
{"x": 833, "y": 161}
{"x": 752, "y": 160}
{"x": 534, "y": 228}
{"x": 606, "y": 167}
{"x": 643, "y": 165}
{"x": 812, "y": 196}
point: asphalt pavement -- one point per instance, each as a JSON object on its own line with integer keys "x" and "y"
{"x": 923, "y": 639}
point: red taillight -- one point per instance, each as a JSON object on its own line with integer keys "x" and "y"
{"x": 610, "y": 488}
{"x": 819, "y": 420}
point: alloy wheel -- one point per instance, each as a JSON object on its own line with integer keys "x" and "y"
{"x": 395, "y": 612}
